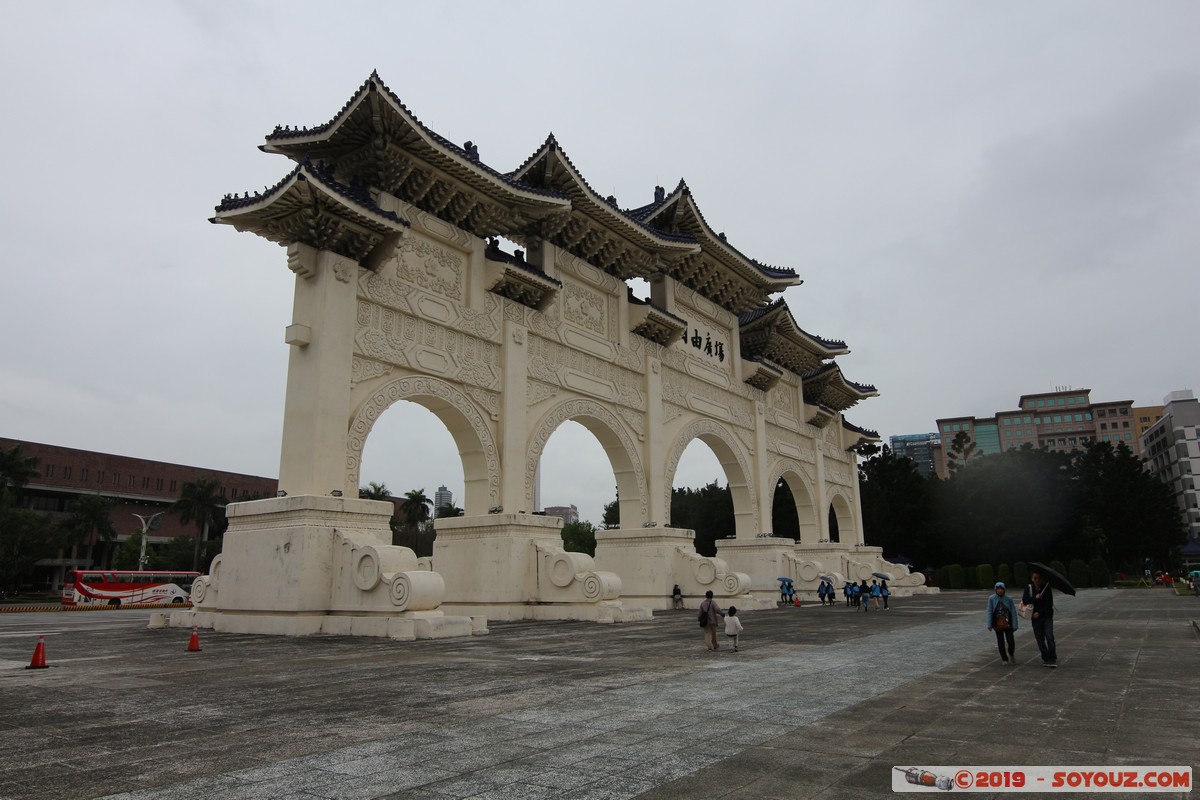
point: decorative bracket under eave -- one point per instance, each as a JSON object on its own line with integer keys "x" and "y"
{"x": 763, "y": 375}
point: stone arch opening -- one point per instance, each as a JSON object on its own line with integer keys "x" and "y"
{"x": 734, "y": 464}
{"x": 618, "y": 447}
{"x": 463, "y": 420}
{"x": 789, "y": 477}
{"x": 841, "y": 520}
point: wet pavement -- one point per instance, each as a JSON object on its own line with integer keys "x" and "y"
{"x": 819, "y": 703}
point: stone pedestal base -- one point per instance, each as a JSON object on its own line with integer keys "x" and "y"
{"x": 765, "y": 560}
{"x": 651, "y": 561}
{"x": 513, "y": 566}
{"x": 294, "y": 566}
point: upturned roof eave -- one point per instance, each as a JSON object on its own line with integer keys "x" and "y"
{"x": 297, "y": 144}
{"x": 588, "y": 202}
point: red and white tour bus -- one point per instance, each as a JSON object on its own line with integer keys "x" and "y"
{"x": 104, "y": 587}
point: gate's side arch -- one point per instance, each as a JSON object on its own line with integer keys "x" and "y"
{"x": 841, "y": 507}
{"x": 737, "y": 471}
{"x": 618, "y": 445}
{"x": 460, "y": 415}
{"x": 803, "y": 496}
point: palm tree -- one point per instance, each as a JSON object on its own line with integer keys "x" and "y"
{"x": 416, "y": 506}
{"x": 374, "y": 491}
{"x": 201, "y": 502}
{"x": 16, "y": 469}
{"x": 90, "y": 522}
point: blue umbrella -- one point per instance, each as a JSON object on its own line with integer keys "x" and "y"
{"x": 784, "y": 580}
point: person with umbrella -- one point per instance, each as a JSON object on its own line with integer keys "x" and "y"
{"x": 1002, "y": 619}
{"x": 1039, "y": 595}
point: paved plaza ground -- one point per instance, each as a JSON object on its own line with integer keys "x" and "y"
{"x": 820, "y": 703}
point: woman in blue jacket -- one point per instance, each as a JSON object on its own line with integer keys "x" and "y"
{"x": 1002, "y": 619}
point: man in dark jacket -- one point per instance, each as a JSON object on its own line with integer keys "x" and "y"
{"x": 1038, "y": 595}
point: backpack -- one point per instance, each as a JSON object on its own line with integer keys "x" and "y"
{"x": 1000, "y": 619}
{"x": 703, "y": 616}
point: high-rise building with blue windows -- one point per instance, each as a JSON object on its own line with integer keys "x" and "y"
{"x": 919, "y": 448}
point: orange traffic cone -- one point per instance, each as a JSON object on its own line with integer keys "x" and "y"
{"x": 797, "y": 601}
{"x": 194, "y": 642}
{"x": 39, "y": 655}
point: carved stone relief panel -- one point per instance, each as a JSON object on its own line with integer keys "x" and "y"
{"x": 704, "y": 398}
{"x": 364, "y": 370}
{"x": 790, "y": 444}
{"x": 389, "y": 336}
{"x": 430, "y": 266}
{"x": 536, "y": 392}
{"x": 560, "y": 365}
{"x": 585, "y": 308}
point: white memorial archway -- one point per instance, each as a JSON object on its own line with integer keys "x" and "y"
{"x": 403, "y": 292}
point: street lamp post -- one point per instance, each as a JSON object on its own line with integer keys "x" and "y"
{"x": 148, "y": 524}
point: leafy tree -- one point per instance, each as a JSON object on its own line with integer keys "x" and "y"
{"x": 1127, "y": 514}
{"x": 612, "y": 514}
{"x": 708, "y": 511}
{"x": 90, "y": 523}
{"x": 962, "y": 448}
{"x": 201, "y": 502}
{"x": 26, "y": 537}
{"x": 176, "y": 554}
{"x": 1098, "y": 574}
{"x": 896, "y": 506}
{"x": 128, "y": 552}
{"x": 449, "y": 510}
{"x": 579, "y": 537}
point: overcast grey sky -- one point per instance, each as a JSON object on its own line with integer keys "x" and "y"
{"x": 983, "y": 199}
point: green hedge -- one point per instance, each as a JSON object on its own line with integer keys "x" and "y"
{"x": 1021, "y": 574}
{"x": 984, "y": 577}
{"x": 958, "y": 578}
{"x": 1004, "y": 575}
{"x": 1098, "y": 574}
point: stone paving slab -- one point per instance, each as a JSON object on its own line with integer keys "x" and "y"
{"x": 821, "y": 702}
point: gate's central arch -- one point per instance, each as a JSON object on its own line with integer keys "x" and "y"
{"x": 403, "y": 293}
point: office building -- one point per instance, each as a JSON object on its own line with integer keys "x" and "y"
{"x": 919, "y": 447}
{"x": 1062, "y": 420}
{"x": 137, "y": 485}
{"x": 1172, "y": 447}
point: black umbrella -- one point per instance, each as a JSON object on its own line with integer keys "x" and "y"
{"x": 1053, "y": 577}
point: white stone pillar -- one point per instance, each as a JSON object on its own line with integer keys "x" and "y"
{"x": 654, "y": 453}
{"x": 760, "y": 462}
{"x": 317, "y": 406}
{"x": 514, "y": 430}
{"x": 822, "y": 496}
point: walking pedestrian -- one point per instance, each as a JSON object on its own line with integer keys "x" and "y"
{"x": 885, "y": 593}
{"x": 733, "y": 626}
{"x": 846, "y": 591}
{"x": 876, "y": 594}
{"x": 677, "y": 597}
{"x": 864, "y": 595}
{"x": 714, "y": 614}
{"x": 1039, "y": 595}
{"x": 1002, "y": 619}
